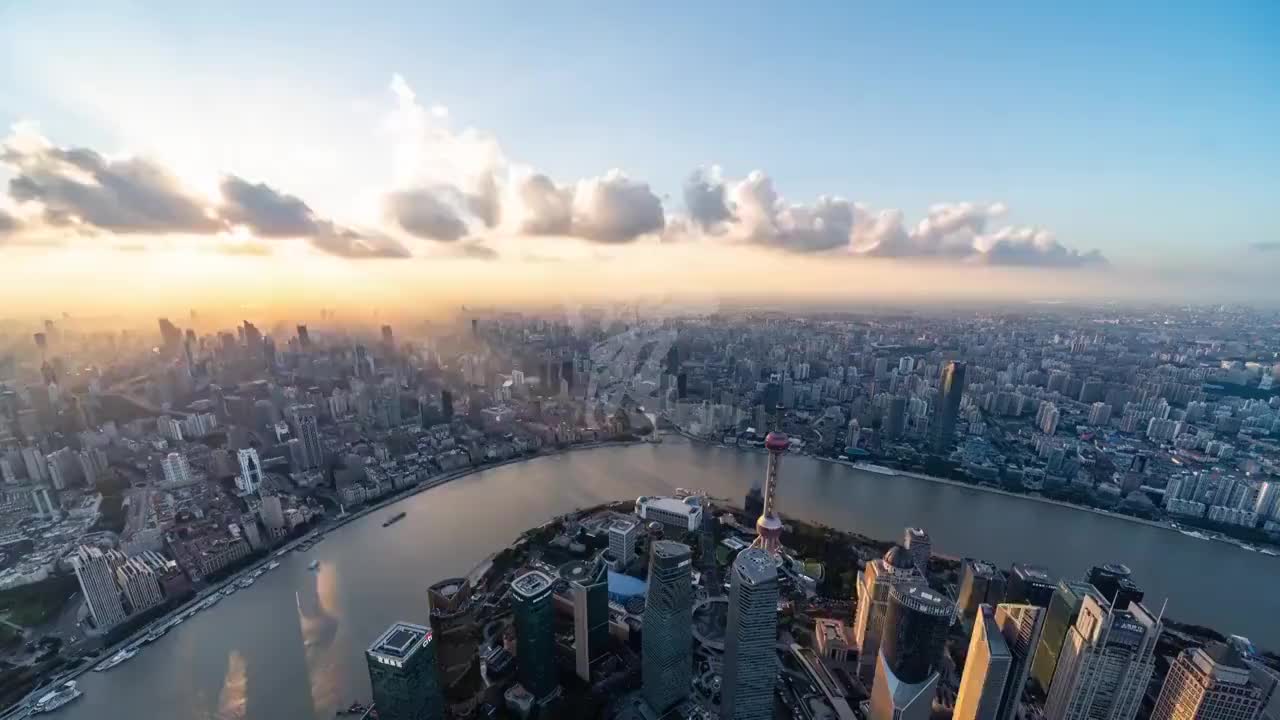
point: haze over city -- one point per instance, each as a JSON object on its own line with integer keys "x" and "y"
{"x": 396, "y": 155}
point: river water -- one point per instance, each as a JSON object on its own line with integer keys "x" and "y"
{"x": 292, "y": 645}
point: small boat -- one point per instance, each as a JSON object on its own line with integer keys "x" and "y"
{"x": 393, "y": 519}
{"x": 273, "y": 564}
{"x": 116, "y": 659}
{"x": 229, "y": 590}
{"x": 51, "y": 701}
{"x": 313, "y": 565}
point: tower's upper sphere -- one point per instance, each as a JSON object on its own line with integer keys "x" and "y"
{"x": 776, "y": 442}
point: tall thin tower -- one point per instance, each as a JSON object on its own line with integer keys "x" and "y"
{"x": 769, "y": 526}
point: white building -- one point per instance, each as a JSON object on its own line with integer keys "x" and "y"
{"x": 98, "y": 585}
{"x": 622, "y": 540}
{"x": 681, "y": 513}
{"x": 250, "y": 477}
{"x": 1209, "y": 683}
{"x": 175, "y": 468}
{"x": 1106, "y": 662}
{"x": 140, "y": 584}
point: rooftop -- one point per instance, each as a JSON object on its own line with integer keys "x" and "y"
{"x": 755, "y": 566}
{"x": 531, "y": 584}
{"x": 401, "y": 640}
{"x": 923, "y": 600}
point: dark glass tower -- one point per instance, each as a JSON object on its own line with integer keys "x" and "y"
{"x": 589, "y": 590}
{"x": 980, "y": 583}
{"x": 950, "y": 390}
{"x": 403, "y": 675}
{"x": 1030, "y": 584}
{"x": 1114, "y": 583}
{"x": 1064, "y": 608}
{"x": 667, "y": 635}
{"x": 535, "y": 638}
{"x": 750, "y": 661}
{"x": 915, "y": 632}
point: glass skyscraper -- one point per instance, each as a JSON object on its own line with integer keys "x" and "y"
{"x": 950, "y": 390}
{"x": 915, "y": 631}
{"x": 535, "y": 638}
{"x": 667, "y": 636}
{"x": 750, "y": 660}
{"x": 1064, "y": 608}
{"x": 589, "y": 590}
{"x": 402, "y": 673}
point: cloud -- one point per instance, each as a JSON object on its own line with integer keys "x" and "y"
{"x": 751, "y": 211}
{"x": 251, "y": 248}
{"x": 266, "y": 211}
{"x": 615, "y": 209}
{"x": 78, "y": 186}
{"x": 1265, "y": 246}
{"x": 477, "y": 251}
{"x": 348, "y": 243}
{"x": 428, "y": 213}
{"x": 705, "y": 199}
{"x": 8, "y": 224}
{"x": 1030, "y": 246}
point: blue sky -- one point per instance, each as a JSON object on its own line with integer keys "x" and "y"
{"x": 1148, "y": 131}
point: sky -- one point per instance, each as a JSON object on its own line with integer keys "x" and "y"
{"x": 417, "y": 152}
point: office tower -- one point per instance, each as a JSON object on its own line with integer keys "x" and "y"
{"x": 980, "y": 583}
{"x": 986, "y": 670}
{"x": 1210, "y": 683}
{"x": 915, "y": 632}
{"x": 667, "y": 636}
{"x": 919, "y": 547}
{"x": 98, "y": 585}
{"x": 175, "y": 468}
{"x": 446, "y": 405}
{"x": 250, "y": 477}
{"x": 1030, "y": 584}
{"x": 1261, "y": 675}
{"x": 457, "y": 637}
{"x": 402, "y": 674}
{"x": 589, "y": 591}
{"x": 874, "y": 582}
{"x": 170, "y": 336}
{"x": 1021, "y": 626}
{"x": 622, "y": 540}
{"x": 1063, "y": 610}
{"x": 1114, "y": 583}
{"x": 1099, "y": 413}
{"x": 535, "y": 641}
{"x": 950, "y": 390}
{"x": 1106, "y": 662}
{"x": 140, "y": 584}
{"x": 309, "y": 433}
{"x": 388, "y": 339}
{"x": 769, "y": 525}
{"x": 750, "y": 660}
{"x": 304, "y": 337}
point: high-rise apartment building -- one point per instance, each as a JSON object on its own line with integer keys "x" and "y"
{"x": 535, "y": 638}
{"x": 950, "y": 390}
{"x": 250, "y": 477}
{"x": 750, "y": 660}
{"x": 589, "y": 591}
{"x": 402, "y": 673}
{"x": 175, "y": 468}
{"x": 140, "y": 583}
{"x": 98, "y": 585}
{"x": 309, "y": 432}
{"x": 874, "y": 582}
{"x": 1106, "y": 662}
{"x": 1209, "y": 683}
{"x": 1021, "y": 626}
{"x": 915, "y": 632}
{"x": 667, "y": 638}
{"x": 986, "y": 669}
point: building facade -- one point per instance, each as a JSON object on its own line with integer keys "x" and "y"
{"x": 896, "y": 568}
{"x": 589, "y": 592}
{"x": 915, "y": 633}
{"x": 402, "y": 674}
{"x": 98, "y": 585}
{"x": 1106, "y": 662}
{"x": 667, "y": 637}
{"x": 986, "y": 669}
{"x": 250, "y": 477}
{"x": 1021, "y": 625}
{"x": 535, "y": 638}
{"x": 1209, "y": 683}
{"x": 750, "y": 660}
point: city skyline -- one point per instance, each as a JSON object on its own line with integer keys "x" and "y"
{"x": 259, "y": 172}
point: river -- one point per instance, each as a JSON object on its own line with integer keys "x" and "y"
{"x": 292, "y": 645}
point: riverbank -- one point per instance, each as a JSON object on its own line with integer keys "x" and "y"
{"x": 18, "y": 709}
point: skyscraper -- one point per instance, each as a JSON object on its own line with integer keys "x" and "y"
{"x": 667, "y": 637}
{"x": 915, "y": 632}
{"x": 175, "y": 468}
{"x": 304, "y": 337}
{"x": 1106, "y": 662}
{"x": 950, "y": 390}
{"x": 1209, "y": 683}
{"x": 986, "y": 670}
{"x": 1021, "y": 626}
{"x": 403, "y": 675}
{"x": 1029, "y": 584}
{"x": 1115, "y": 583}
{"x": 98, "y": 585}
{"x": 309, "y": 433}
{"x": 589, "y": 591}
{"x": 1064, "y": 608}
{"x": 750, "y": 661}
{"x": 874, "y": 583}
{"x": 535, "y": 641}
{"x": 457, "y": 638}
{"x": 622, "y": 540}
{"x": 250, "y": 477}
{"x": 980, "y": 583}
{"x": 769, "y": 525}
{"x": 918, "y": 545}
{"x": 140, "y": 583}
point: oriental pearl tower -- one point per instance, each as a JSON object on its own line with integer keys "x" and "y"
{"x": 769, "y": 526}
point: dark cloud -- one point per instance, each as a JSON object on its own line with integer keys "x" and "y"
{"x": 80, "y": 186}
{"x": 266, "y": 211}
{"x": 348, "y": 243}
{"x": 706, "y": 200}
{"x": 545, "y": 208}
{"x": 8, "y": 224}
{"x": 428, "y": 213}
{"x": 1265, "y": 246}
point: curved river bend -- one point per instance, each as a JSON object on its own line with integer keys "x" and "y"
{"x": 292, "y": 645}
